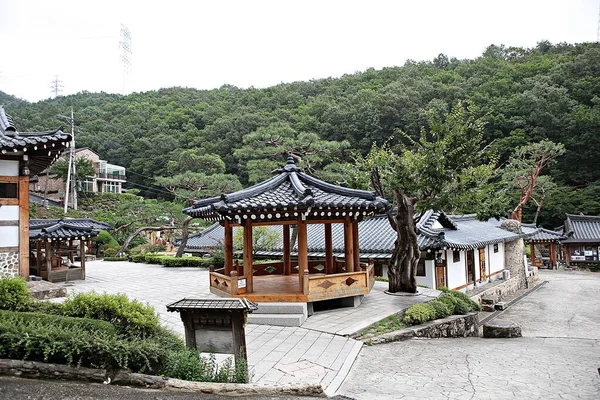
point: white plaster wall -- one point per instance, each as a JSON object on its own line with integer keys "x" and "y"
{"x": 429, "y": 278}
{"x": 456, "y": 271}
{"x": 9, "y": 168}
{"x": 9, "y": 236}
{"x": 477, "y": 271}
{"x": 496, "y": 260}
{"x": 9, "y": 213}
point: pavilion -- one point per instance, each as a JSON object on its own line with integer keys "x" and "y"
{"x": 292, "y": 199}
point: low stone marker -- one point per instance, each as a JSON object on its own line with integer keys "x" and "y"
{"x": 487, "y": 303}
{"x": 501, "y": 329}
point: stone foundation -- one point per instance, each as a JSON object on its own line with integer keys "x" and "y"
{"x": 9, "y": 263}
{"x": 508, "y": 287}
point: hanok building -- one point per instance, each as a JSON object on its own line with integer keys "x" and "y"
{"x": 459, "y": 252}
{"x": 21, "y": 155}
{"x": 545, "y": 248}
{"x": 292, "y": 198}
{"x": 582, "y": 242}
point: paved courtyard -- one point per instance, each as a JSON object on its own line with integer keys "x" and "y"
{"x": 317, "y": 352}
{"x": 557, "y": 358}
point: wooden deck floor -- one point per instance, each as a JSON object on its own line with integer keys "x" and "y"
{"x": 272, "y": 288}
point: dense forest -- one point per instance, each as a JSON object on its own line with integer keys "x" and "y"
{"x": 232, "y": 137}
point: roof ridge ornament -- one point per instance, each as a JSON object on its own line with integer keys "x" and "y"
{"x": 290, "y": 166}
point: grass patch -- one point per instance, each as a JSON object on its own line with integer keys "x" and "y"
{"x": 388, "y": 324}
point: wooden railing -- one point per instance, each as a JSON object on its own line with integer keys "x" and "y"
{"x": 333, "y": 286}
{"x": 224, "y": 285}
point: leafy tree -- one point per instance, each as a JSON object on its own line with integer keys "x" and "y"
{"x": 441, "y": 170}
{"x": 84, "y": 169}
{"x": 195, "y": 185}
{"x": 525, "y": 167}
{"x": 263, "y": 238}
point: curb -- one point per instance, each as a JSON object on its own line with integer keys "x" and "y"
{"x": 40, "y": 370}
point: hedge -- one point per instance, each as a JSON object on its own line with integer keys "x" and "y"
{"x": 115, "y": 259}
{"x": 173, "y": 262}
{"x": 450, "y": 302}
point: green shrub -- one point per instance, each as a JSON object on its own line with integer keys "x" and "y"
{"x": 419, "y": 313}
{"x": 107, "y": 244}
{"x": 130, "y": 317}
{"x": 115, "y": 258}
{"x": 45, "y": 307}
{"x": 175, "y": 262}
{"x": 189, "y": 365}
{"x": 442, "y": 309}
{"x": 14, "y": 294}
{"x": 461, "y": 302}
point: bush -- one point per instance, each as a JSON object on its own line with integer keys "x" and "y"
{"x": 14, "y": 294}
{"x": 461, "y": 301}
{"x": 115, "y": 258}
{"x": 178, "y": 262}
{"x": 130, "y": 317}
{"x": 106, "y": 243}
{"x": 442, "y": 309}
{"x": 419, "y": 313}
{"x": 189, "y": 365}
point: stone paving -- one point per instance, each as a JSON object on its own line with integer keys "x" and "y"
{"x": 317, "y": 352}
{"x": 558, "y": 356}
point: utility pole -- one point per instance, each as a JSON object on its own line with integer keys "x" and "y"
{"x": 57, "y": 86}
{"x": 125, "y": 46}
{"x": 72, "y": 163}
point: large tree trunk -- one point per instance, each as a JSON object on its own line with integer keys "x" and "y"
{"x": 140, "y": 230}
{"x": 405, "y": 257}
{"x": 184, "y": 236}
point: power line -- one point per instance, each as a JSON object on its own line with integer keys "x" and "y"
{"x": 56, "y": 86}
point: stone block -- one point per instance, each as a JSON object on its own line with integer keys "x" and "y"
{"x": 501, "y": 305}
{"x": 501, "y": 329}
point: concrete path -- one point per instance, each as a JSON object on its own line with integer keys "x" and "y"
{"x": 558, "y": 357}
{"x": 317, "y": 352}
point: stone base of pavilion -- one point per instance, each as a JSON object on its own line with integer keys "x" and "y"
{"x": 312, "y": 286}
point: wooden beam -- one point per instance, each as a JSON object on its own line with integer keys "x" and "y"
{"x": 48, "y": 259}
{"x": 82, "y": 255}
{"x": 248, "y": 256}
{"x": 302, "y": 252}
{"x": 287, "y": 262}
{"x": 355, "y": 246}
{"x": 24, "y": 226}
{"x": 38, "y": 256}
{"x": 552, "y": 255}
{"x": 329, "y": 265}
{"x": 348, "y": 246}
{"x": 532, "y": 253}
{"x": 228, "y": 248}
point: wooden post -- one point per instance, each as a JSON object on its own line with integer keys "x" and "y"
{"x": 82, "y": 255}
{"x": 48, "y": 259}
{"x": 329, "y": 266}
{"x": 568, "y": 254}
{"x": 71, "y": 256}
{"x": 305, "y": 282}
{"x": 532, "y": 254}
{"x": 552, "y": 255}
{"x": 302, "y": 253}
{"x": 233, "y": 290}
{"x": 24, "y": 226}
{"x": 355, "y": 245}
{"x": 239, "y": 335}
{"x": 190, "y": 332}
{"x": 287, "y": 262}
{"x": 348, "y": 245}
{"x": 228, "y": 247}
{"x": 38, "y": 255}
{"x": 248, "y": 256}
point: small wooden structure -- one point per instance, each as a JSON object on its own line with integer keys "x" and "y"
{"x": 21, "y": 155}
{"x": 545, "y": 249}
{"x": 292, "y": 199}
{"x": 55, "y": 255}
{"x": 215, "y": 325}
{"x": 582, "y": 239}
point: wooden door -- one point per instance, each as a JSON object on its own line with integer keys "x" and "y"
{"x": 470, "y": 266}
{"x": 482, "y": 270}
{"x": 440, "y": 275}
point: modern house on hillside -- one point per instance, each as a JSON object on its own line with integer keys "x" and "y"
{"x": 108, "y": 178}
{"x": 458, "y": 252}
{"x": 21, "y": 155}
{"x": 582, "y": 239}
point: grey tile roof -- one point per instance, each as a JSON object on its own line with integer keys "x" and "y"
{"x": 285, "y": 196}
{"x": 212, "y": 304}
{"x": 376, "y": 237}
{"x": 42, "y": 148}
{"x": 546, "y": 235}
{"x": 581, "y": 229}
{"x": 59, "y": 229}
{"x": 76, "y": 222}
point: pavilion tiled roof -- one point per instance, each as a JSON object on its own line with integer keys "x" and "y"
{"x": 288, "y": 195}
{"x": 60, "y": 229}
{"x": 76, "y": 222}
{"x": 42, "y": 148}
{"x": 376, "y": 237}
{"x": 581, "y": 229}
{"x": 546, "y": 235}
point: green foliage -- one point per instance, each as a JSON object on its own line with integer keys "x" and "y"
{"x": 84, "y": 169}
{"x": 263, "y": 238}
{"x": 14, "y": 294}
{"x": 115, "y": 259}
{"x": 130, "y": 317}
{"x": 106, "y": 244}
{"x": 174, "y": 262}
{"x": 419, "y": 313}
{"x": 189, "y": 365}
{"x": 442, "y": 310}
{"x": 388, "y": 324}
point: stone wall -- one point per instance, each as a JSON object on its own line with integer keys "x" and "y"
{"x": 454, "y": 326}
{"x": 506, "y": 288}
{"x": 9, "y": 263}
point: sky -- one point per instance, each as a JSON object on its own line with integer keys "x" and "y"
{"x": 258, "y": 43}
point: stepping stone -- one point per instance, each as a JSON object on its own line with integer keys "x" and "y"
{"x": 501, "y": 329}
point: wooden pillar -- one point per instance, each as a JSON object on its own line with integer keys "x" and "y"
{"x": 228, "y": 247}
{"x": 302, "y": 253}
{"x": 70, "y": 254}
{"x": 248, "y": 256}
{"x": 355, "y": 246}
{"x": 287, "y": 262}
{"x": 568, "y": 254}
{"x": 532, "y": 253}
{"x": 48, "y": 259}
{"x": 552, "y": 255}
{"x": 24, "y": 226}
{"x": 38, "y": 255}
{"x": 239, "y": 335}
{"x": 82, "y": 255}
{"x": 329, "y": 265}
{"x": 348, "y": 245}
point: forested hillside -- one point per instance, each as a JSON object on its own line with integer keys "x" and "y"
{"x": 524, "y": 95}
